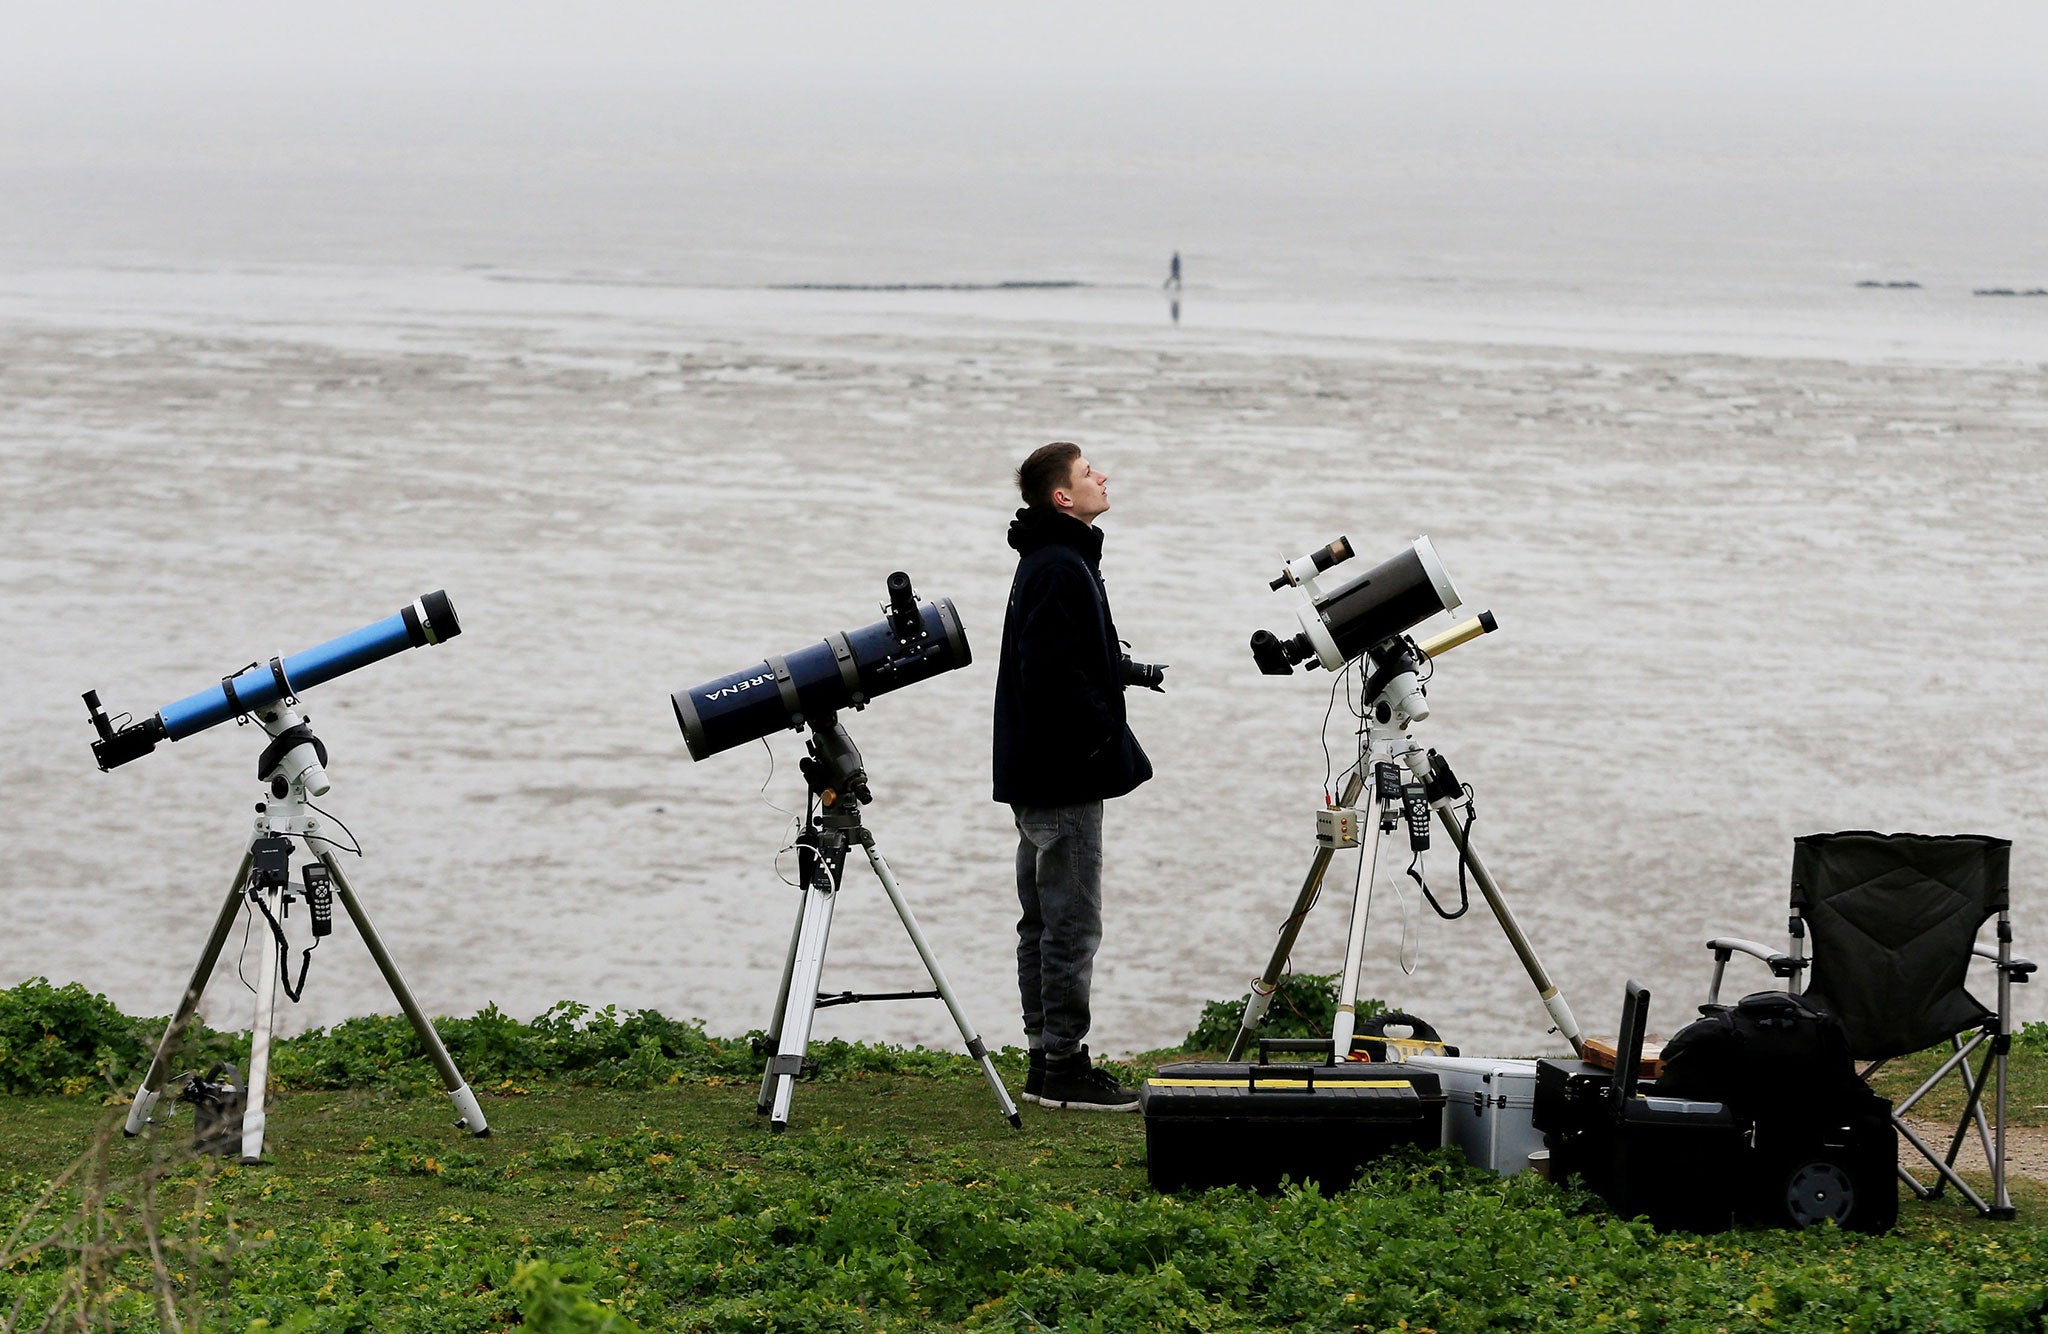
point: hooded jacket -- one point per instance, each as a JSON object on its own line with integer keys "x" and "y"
{"x": 1060, "y": 734}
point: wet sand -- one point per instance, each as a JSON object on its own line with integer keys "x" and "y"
{"x": 1741, "y": 599}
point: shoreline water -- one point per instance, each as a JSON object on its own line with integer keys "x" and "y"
{"x": 371, "y": 307}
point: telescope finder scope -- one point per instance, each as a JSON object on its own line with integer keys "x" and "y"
{"x": 1313, "y": 564}
{"x": 430, "y": 620}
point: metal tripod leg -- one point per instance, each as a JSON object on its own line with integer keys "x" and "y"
{"x": 774, "y": 1039}
{"x": 975, "y": 1048}
{"x": 174, "y": 1032}
{"x": 268, "y": 957}
{"x": 1354, "y": 944}
{"x": 799, "y": 1003}
{"x": 1553, "y": 999}
{"x": 1263, "y": 987}
{"x": 471, "y": 1115}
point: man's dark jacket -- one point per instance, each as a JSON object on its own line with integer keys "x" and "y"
{"x": 1060, "y": 734}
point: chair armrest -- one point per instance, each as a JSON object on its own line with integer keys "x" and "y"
{"x": 1781, "y": 964}
{"x": 2016, "y": 969}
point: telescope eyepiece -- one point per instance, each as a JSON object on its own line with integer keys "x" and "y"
{"x": 99, "y": 715}
{"x": 1276, "y": 656}
{"x": 902, "y": 608}
{"x": 117, "y": 746}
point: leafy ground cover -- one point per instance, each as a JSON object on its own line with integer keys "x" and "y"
{"x": 640, "y": 1189}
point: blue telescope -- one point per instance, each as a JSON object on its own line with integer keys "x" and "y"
{"x": 427, "y": 621}
{"x": 912, "y": 642}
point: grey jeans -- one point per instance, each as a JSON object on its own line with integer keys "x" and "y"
{"x": 1059, "y": 889}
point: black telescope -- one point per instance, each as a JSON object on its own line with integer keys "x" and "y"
{"x": 1349, "y": 610}
{"x": 912, "y": 642}
{"x": 430, "y": 620}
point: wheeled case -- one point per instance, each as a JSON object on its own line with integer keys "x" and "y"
{"x": 1701, "y": 1166}
{"x": 1838, "y": 1162}
{"x": 1489, "y": 1108}
{"x": 1257, "y": 1123}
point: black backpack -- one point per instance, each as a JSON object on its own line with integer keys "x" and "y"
{"x": 1770, "y": 1055}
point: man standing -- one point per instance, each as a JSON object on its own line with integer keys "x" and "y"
{"x": 1061, "y": 749}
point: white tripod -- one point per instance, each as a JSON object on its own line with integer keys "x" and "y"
{"x": 836, "y": 780}
{"x": 292, "y": 769}
{"x": 1421, "y": 781}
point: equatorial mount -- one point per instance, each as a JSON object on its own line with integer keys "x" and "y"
{"x": 1407, "y": 779}
{"x": 292, "y": 770}
{"x": 832, "y": 767}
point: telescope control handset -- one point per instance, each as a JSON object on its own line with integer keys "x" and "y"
{"x": 430, "y": 620}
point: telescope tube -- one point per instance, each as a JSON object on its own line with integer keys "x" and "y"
{"x": 914, "y": 641}
{"x": 843, "y": 670}
{"x": 430, "y": 620}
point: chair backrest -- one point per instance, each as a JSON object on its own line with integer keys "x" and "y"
{"x": 1893, "y": 919}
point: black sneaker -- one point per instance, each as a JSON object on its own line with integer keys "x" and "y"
{"x": 1074, "y": 1084}
{"x": 1034, "y": 1075}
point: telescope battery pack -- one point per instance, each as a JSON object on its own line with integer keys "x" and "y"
{"x": 1256, "y": 1123}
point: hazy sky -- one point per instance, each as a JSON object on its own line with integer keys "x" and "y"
{"x": 1551, "y": 86}
{"x": 92, "y": 42}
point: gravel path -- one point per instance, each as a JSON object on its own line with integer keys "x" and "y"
{"x": 2026, "y": 1149}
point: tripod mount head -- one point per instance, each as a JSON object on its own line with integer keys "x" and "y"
{"x": 294, "y": 757}
{"x": 832, "y": 770}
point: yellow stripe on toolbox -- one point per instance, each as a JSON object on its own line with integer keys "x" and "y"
{"x": 1279, "y": 1083}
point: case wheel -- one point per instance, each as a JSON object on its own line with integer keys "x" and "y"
{"x": 1819, "y": 1191}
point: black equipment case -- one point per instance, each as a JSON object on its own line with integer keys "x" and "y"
{"x": 1252, "y": 1123}
{"x": 1695, "y": 1165}
{"x": 1671, "y": 1160}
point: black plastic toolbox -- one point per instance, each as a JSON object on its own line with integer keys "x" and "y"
{"x": 1255, "y": 1123}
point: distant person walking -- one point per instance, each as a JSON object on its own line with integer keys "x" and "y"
{"x": 1173, "y": 272}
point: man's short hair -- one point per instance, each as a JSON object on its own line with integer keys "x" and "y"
{"x": 1049, "y": 468}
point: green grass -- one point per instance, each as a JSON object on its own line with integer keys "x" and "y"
{"x": 903, "y": 1202}
{"x": 899, "y": 1200}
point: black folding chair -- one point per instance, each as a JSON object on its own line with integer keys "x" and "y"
{"x": 1894, "y": 920}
